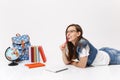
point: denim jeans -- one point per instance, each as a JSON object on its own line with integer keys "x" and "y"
{"x": 114, "y": 55}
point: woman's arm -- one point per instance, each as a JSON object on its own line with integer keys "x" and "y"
{"x": 63, "y": 48}
{"x": 82, "y": 63}
{"x": 65, "y": 58}
{"x": 83, "y": 57}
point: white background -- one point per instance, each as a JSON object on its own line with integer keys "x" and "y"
{"x": 45, "y": 22}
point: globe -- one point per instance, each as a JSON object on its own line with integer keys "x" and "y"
{"x": 12, "y": 54}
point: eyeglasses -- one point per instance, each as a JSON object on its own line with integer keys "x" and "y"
{"x": 71, "y": 31}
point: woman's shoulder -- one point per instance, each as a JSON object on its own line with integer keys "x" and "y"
{"x": 83, "y": 41}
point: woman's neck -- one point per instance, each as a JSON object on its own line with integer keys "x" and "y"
{"x": 74, "y": 42}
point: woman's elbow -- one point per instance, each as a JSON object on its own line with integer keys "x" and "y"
{"x": 66, "y": 63}
{"x": 81, "y": 66}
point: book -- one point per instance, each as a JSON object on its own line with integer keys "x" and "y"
{"x": 32, "y": 53}
{"x": 34, "y": 65}
{"x": 40, "y": 48}
{"x": 56, "y": 69}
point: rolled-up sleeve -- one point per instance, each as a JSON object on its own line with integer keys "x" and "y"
{"x": 85, "y": 52}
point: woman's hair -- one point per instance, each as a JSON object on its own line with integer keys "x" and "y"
{"x": 72, "y": 48}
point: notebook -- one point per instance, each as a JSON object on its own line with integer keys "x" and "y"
{"x": 56, "y": 69}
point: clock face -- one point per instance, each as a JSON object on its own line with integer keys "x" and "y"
{"x": 11, "y": 54}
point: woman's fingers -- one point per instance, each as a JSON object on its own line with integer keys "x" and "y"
{"x": 64, "y": 44}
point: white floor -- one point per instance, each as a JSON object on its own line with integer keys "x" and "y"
{"x": 22, "y": 72}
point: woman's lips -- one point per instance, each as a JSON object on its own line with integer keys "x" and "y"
{"x": 68, "y": 38}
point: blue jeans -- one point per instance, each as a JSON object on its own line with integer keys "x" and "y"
{"x": 114, "y": 55}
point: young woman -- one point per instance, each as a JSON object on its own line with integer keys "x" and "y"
{"x": 79, "y": 52}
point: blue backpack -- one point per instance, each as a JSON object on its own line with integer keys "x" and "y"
{"x": 22, "y": 43}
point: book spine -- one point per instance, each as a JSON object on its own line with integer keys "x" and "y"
{"x": 32, "y": 54}
{"x": 35, "y": 55}
{"x": 42, "y": 53}
{"x": 38, "y": 55}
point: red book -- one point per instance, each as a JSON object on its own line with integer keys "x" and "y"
{"x": 32, "y": 53}
{"x": 34, "y": 65}
{"x": 42, "y": 53}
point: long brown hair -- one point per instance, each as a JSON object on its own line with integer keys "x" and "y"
{"x": 72, "y": 48}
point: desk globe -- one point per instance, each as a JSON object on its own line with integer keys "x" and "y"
{"x": 12, "y": 54}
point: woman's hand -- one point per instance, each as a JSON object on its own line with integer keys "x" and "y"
{"x": 64, "y": 55}
{"x": 63, "y": 47}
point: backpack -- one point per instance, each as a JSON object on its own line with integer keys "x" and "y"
{"x": 22, "y": 43}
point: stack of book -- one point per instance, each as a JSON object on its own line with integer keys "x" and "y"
{"x": 36, "y": 54}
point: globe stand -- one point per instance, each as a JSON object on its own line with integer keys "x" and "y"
{"x": 13, "y": 63}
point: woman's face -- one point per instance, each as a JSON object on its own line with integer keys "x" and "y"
{"x": 72, "y": 34}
